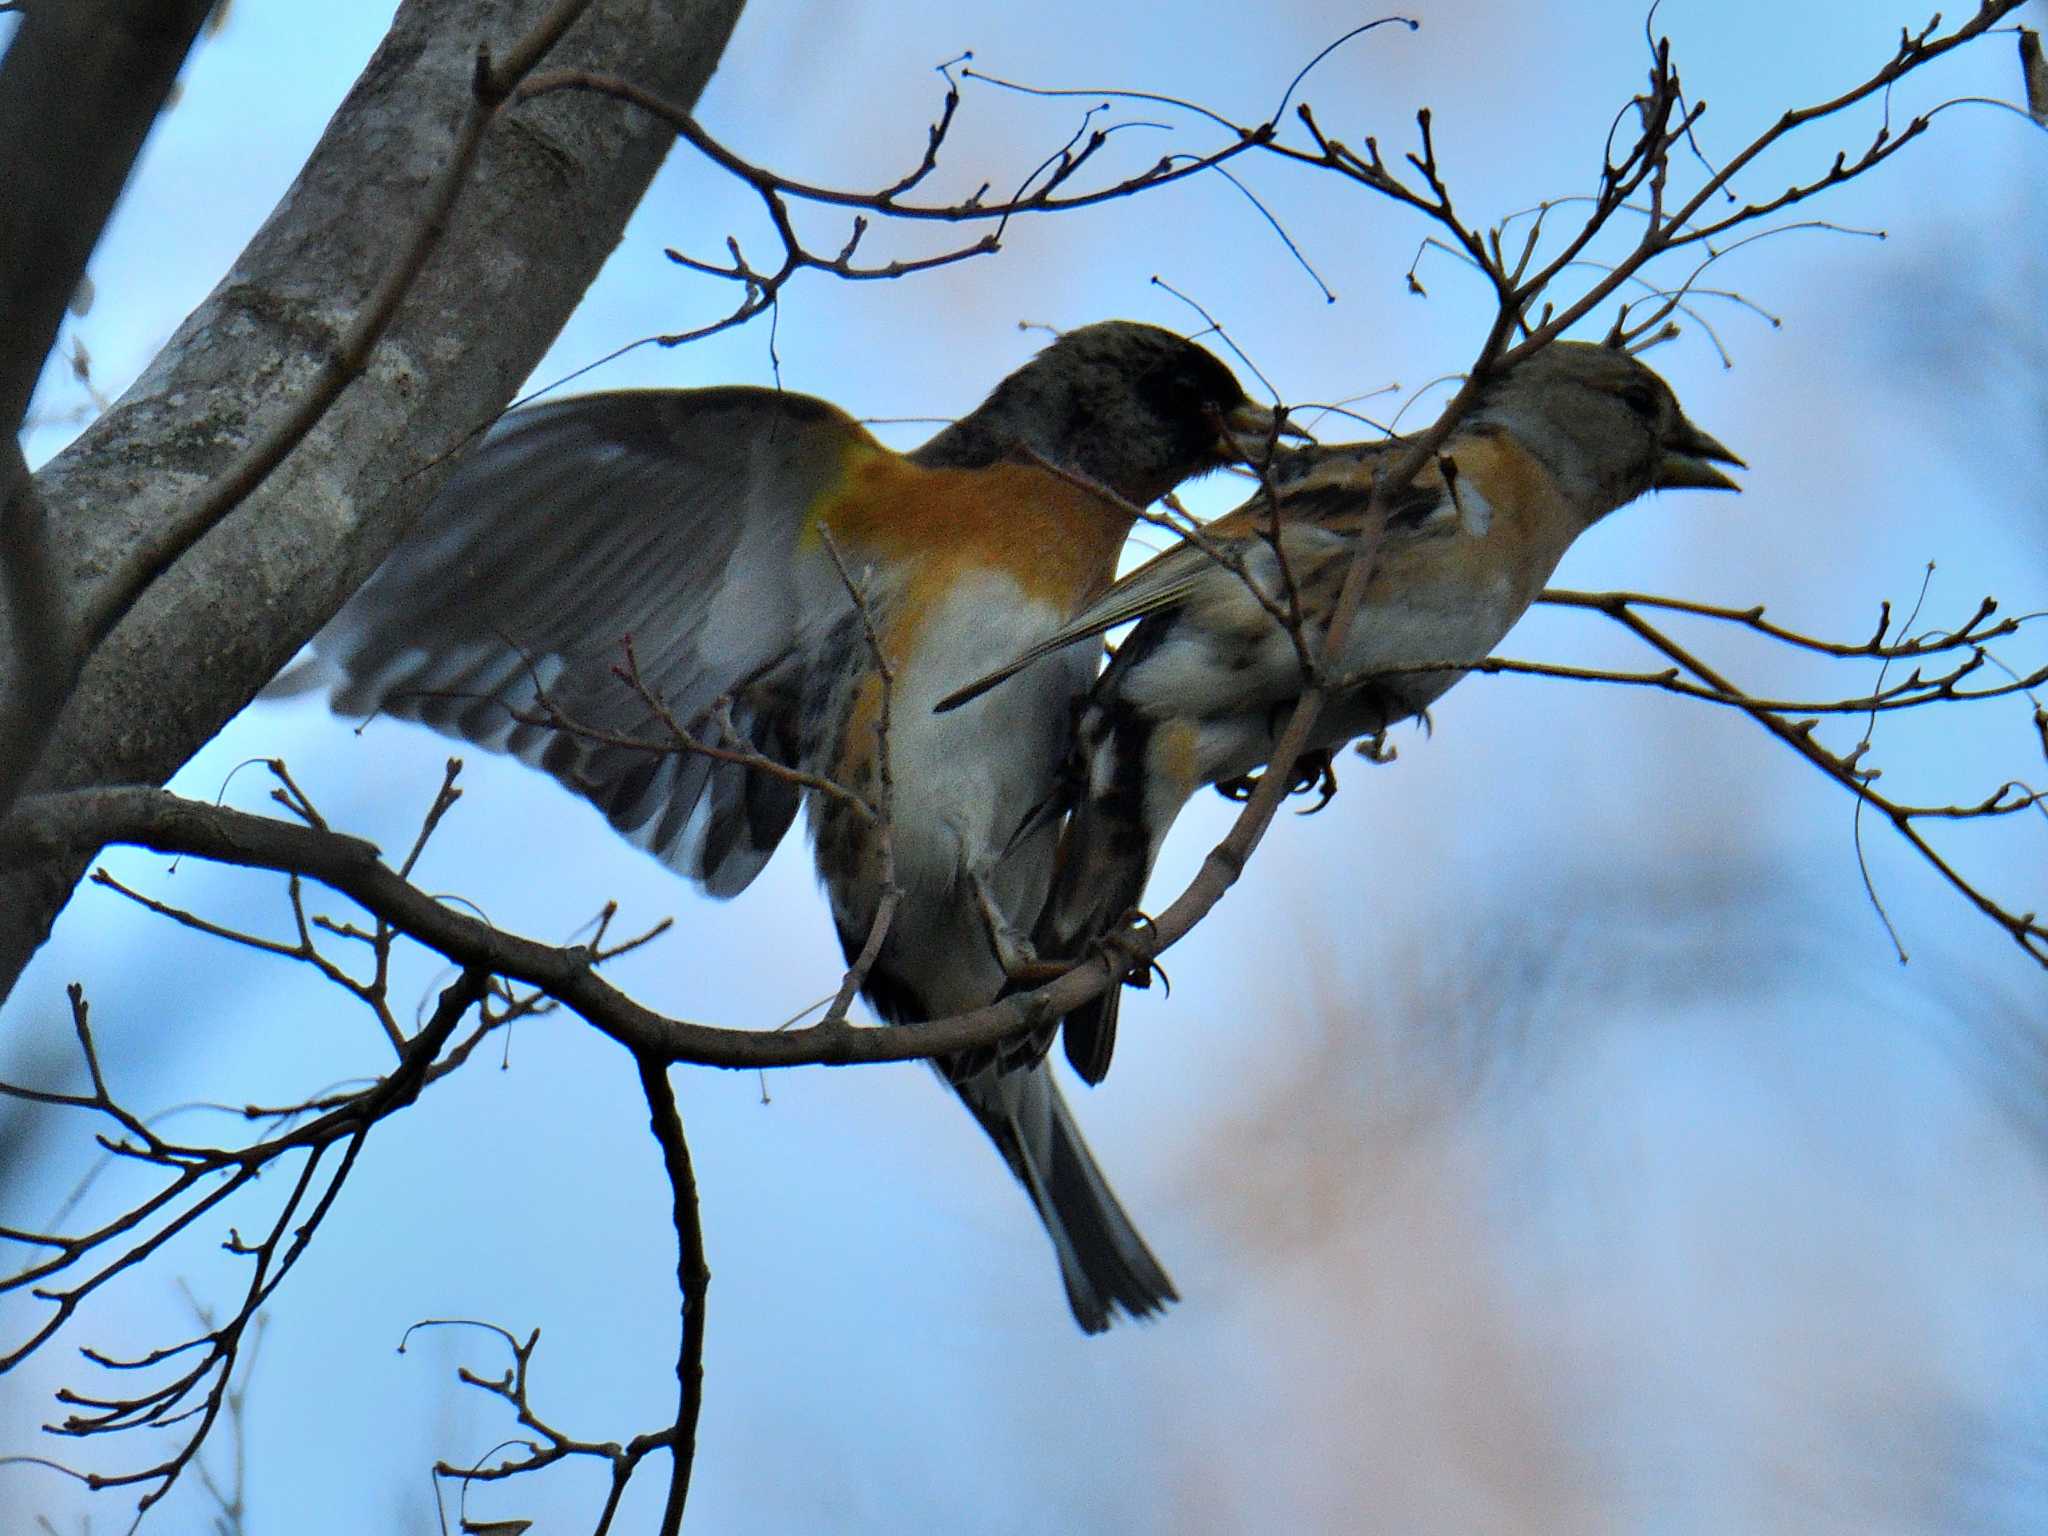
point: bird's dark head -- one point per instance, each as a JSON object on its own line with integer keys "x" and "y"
{"x": 1606, "y": 425}
{"x": 1132, "y": 406}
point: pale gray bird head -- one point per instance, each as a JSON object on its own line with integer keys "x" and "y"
{"x": 1132, "y": 406}
{"x": 1604, "y": 424}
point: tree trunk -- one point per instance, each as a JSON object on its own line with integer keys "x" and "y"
{"x": 545, "y": 205}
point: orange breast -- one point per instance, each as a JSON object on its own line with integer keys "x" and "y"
{"x": 1515, "y": 483}
{"x": 1059, "y": 543}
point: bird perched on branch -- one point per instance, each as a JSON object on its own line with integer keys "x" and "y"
{"x": 1199, "y": 691}
{"x": 724, "y": 533}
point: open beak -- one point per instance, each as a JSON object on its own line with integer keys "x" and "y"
{"x": 1689, "y": 459}
{"x": 1248, "y": 429}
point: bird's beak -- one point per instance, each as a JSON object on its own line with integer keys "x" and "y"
{"x": 1250, "y": 427}
{"x": 1689, "y": 459}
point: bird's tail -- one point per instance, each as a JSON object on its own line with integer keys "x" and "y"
{"x": 1104, "y": 1262}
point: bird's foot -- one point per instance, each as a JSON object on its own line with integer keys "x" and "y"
{"x": 1010, "y": 945}
{"x": 1118, "y": 948}
{"x": 1376, "y": 749}
{"x": 1315, "y": 769}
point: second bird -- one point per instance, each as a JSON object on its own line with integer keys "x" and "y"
{"x": 1199, "y": 690}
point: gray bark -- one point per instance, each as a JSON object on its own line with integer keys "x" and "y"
{"x": 549, "y": 197}
{"x": 80, "y": 87}
{"x": 81, "y": 84}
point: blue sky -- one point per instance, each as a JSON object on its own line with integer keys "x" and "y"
{"x": 1544, "y": 1137}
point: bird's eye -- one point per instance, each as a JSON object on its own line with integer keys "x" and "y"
{"x": 1175, "y": 393}
{"x": 1184, "y": 390}
{"x": 1641, "y": 399}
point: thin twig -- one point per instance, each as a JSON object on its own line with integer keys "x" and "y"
{"x": 693, "y": 1280}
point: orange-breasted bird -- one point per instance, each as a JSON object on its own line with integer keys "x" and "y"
{"x": 696, "y": 522}
{"x": 1197, "y": 693}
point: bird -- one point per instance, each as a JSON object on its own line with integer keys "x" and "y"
{"x": 1198, "y": 692}
{"x": 785, "y": 583}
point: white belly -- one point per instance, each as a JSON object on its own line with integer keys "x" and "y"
{"x": 966, "y": 781}
{"x": 1238, "y": 688}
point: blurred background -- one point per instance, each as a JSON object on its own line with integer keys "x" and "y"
{"x": 1546, "y": 1136}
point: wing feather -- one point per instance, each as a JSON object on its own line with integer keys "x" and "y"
{"x": 674, "y": 518}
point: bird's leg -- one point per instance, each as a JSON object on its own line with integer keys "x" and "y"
{"x": 1135, "y": 970}
{"x": 1010, "y": 945}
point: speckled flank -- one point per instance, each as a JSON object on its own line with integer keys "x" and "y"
{"x": 858, "y": 740}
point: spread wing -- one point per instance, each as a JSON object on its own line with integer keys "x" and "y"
{"x": 670, "y": 517}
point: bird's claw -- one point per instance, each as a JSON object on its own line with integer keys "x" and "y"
{"x": 1315, "y": 769}
{"x": 1376, "y": 748}
{"x": 1117, "y": 949}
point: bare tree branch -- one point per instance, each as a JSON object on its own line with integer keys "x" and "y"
{"x": 77, "y": 1264}
{"x": 693, "y": 1280}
